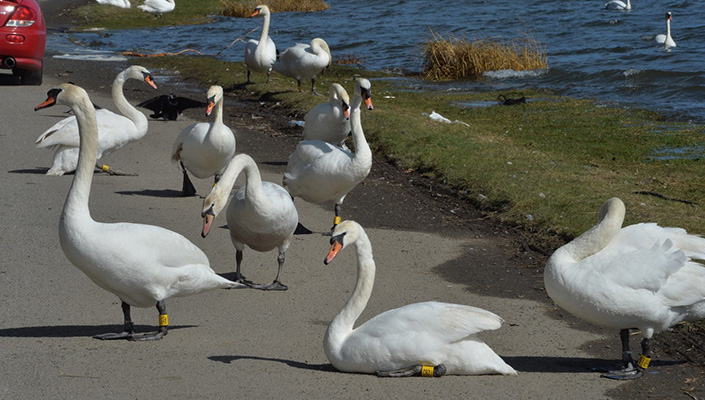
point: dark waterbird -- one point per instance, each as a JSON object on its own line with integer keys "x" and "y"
{"x": 170, "y": 106}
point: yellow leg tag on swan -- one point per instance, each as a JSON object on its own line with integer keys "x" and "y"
{"x": 104, "y": 168}
{"x": 337, "y": 220}
{"x": 163, "y": 320}
{"x": 427, "y": 371}
{"x": 644, "y": 362}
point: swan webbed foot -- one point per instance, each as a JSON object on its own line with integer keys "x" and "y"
{"x": 627, "y": 373}
{"x": 416, "y": 370}
{"x": 115, "y": 336}
{"x": 110, "y": 171}
{"x": 150, "y": 336}
{"x": 275, "y": 285}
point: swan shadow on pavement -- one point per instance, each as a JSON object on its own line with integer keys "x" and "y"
{"x": 291, "y": 363}
{"x": 153, "y": 193}
{"x": 572, "y": 364}
{"x": 65, "y": 331}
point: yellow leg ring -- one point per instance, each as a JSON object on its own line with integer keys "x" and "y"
{"x": 163, "y": 320}
{"x": 104, "y": 168}
{"x": 427, "y": 371}
{"x": 644, "y": 362}
{"x": 337, "y": 220}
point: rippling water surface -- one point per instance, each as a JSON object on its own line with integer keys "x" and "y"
{"x": 592, "y": 52}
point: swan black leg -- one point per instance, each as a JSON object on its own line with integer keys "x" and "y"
{"x": 187, "y": 188}
{"x": 337, "y": 218}
{"x": 276, "y": 284}
{"x": 629, "y": 368}
{"x": 248, "y": 76}
{"x": 313, "y": 86}
{"x": 111, "y": 171}
{"x": 163, "y": 325}
{"x": 238, "y": 263}
{"x": 269, "y": 73}
{"x": 129, "y": 327}
{"x": 416, "y": 370}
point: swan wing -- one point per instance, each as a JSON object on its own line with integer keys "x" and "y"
{"x": 114, "y": 131}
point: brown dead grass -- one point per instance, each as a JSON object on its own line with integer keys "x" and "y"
{"x": 243, "y": 9}
{"x": 455, "y": 58}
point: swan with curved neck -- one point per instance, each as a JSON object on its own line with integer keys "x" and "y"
{"x": 142, "y": 264}
{"x": 666, "y": 40}
{"x": 114, "y": 130}
{"x": 261, "y": 215}
{"x": 318, "y": 171}
{"x": 402, "y": 341}
{"x": 329, "y": 122}
{"x": 304, "y": 61}
{"x": 261, "y": 54}
{"x": 642, "y": 276}
{"x": 204, "y": 149}
{"x": 619, "y": 5}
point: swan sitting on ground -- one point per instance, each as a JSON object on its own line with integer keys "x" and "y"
{"x": 318, "y": 171}
{"x": 304, "y": 61}
{"x": 640, "y": 277}
{"x": 412, "y": 339}
{"x": 666, "y": 39}
{"x": 261, "y": 54}
{"x": 205, "y": 148}
{"x": 618, "y": 5}
{"x": 330, "y": 121}
{"x": 118, "y": 3}
{"x": 261, "y": 215}
{"x": 158, "y": 7}
{"x": 142, "y": 264}
{"x": 114, "y": 130}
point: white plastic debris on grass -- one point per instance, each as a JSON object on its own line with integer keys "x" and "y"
{"x": 438, "y": 117}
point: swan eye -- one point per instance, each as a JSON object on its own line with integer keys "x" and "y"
{"x": 337, "y": 238}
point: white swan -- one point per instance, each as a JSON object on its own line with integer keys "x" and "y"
{"x": 158, "y": 6}
{"x": 330, "y": 121}
{"x": 304, "y": 61}
{"x": 261, "y": 215}
{"x": 666, "y": 39}
{"x": 118, "y": 3}
{"x": 318, "y": 171}
{"x": 642, "y": 276}
{"x": 205, "y": 148}
{"x": 114, "y": 130}
{"x": 409, "y": 339}
{"x": 142, "y": 264}
{"x": 618, "y": 5}
{"x": 261, "y": 54}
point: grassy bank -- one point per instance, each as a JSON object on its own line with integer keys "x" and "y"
{"x": 548, "y": 164}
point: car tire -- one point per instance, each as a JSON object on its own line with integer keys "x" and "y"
{"x": 30, "y": 77}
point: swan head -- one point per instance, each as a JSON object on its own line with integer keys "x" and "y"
{"x": 669, "y": 16}
{"x": 213, "y": 204}
{"x": 323, "y": 45}
{"x": 260, "y": 10}
{"x": 338, "y": 93}
{"x": 214, "y": 96}
{"x": 363, "y": 88}
{"x": 344, "y": 234}
{"x": 140, "y": 73}
{"x": 612, "y": 208}
{"x": 64, "y": 94}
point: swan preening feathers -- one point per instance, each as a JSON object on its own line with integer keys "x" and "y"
{"x": 666, "y": 40}
{"x": 261, "y": 214}
{"x": 141, "y": 264}
{"x": 329, "y": 122}
{"x": 397, "y": 341}
{"x": 261, "y": 54}
{"x": 304, "y": 61}
{"x": 641, "y": 277}
{"x": 114, "y": 130}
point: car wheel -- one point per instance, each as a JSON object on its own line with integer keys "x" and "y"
{"x": 30, "y": 77}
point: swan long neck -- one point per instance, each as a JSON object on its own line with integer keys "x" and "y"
{"x": 342, "y": 324}
{"x": 362, "y": 148}
{"x": 239, "y": 163}
{"x": 668, "y": 27}
{"x": 77, "y": 200}
{"x": 265, "y": 29}
{"x": 597, "y": 237}
{"x": 219, "y": 112}
{"x": 124, "y": 106}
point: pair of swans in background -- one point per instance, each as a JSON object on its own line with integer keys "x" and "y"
{"x": 641, "y": 277}
{"x": 205, "y": 148}
{"x": 114, "y": 130}
{"x": 142, "y": 264}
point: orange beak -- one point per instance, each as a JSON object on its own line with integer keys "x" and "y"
{"x": 255, "y": 13}
{"x": 346, "y": 111}
{"x": 50, "y": 101}
{"x": 150, "y": 81}
{"x": 368, "y": 103}
{"x": 207, "y": 222}
{"x": 334, "y": 250}
{"x": 209, "y": 108}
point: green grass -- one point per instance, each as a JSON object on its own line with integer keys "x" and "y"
{"x": 186, "y": 12}
{"x": 243, "y": 8}
{"x": 556, "y": 159}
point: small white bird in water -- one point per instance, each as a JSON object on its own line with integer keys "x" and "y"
{"x": 618, "y": 5}
{"x": 158, "y": 6}
{"x": 117, "y": 3}
{"x": 666, "y": 39}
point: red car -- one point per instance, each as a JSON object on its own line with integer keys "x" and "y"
{"x": 22, "y": 39}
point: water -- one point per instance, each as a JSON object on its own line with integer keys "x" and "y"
{"x": 592, "y": 52}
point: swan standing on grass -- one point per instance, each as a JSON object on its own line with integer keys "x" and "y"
{"x": 640, "y": 277}
{"x": 618, "y": 5}
{"x": 158, "y": 7}
{"x": 329, "y": 122}
{"x": 304, "y": 61}
{"x": 142, "y": 264}
{"x": 118, "y": 3}
{"x": 409, "y": 340}
{"x": 114, "y": 130}
{"x": 261, "y": 54}
{"x": 205, "y": 148}
{"x": 666, "y": 39}
{"x": 261, "y": 215}
{"x": 318, "y": 171}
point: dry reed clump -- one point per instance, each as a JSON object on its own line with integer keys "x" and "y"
{"x": 243, "y": 8}
{"x": 454, "y": 58}
{"x": 348, "y": 59}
